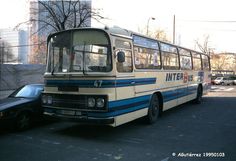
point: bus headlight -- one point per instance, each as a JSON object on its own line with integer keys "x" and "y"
{"x": 47, "y": 99}
{"x": 91, "y": 102}
{"x": 96, "y": 102}
{"x": 100, "y": 102}
{"x": 44, "y": 99}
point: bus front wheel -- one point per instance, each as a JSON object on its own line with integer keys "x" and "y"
{"x": 153, "y": 110}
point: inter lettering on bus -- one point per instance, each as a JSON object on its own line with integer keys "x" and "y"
{"x": 174, "y": 76}
{"x": 178, "y": 76}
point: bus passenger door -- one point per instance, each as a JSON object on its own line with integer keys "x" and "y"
{"x": 125, "y": 82}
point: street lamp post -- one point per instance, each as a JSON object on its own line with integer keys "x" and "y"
{"x": 2, "y": 52}
{"x": 150, "y": 18}
{"x": 1, "y": 63}
{"x": 174, "y": 29}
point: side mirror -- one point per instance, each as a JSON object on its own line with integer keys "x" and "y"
{"x": 121, "y": 57}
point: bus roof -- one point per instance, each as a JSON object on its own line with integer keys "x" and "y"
{"x": 121, "y": 32}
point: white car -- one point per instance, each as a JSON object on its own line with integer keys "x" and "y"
{"x": 228, "y": 81}
{"x": 234, "y": 78}
{"x": 218, "y": 80}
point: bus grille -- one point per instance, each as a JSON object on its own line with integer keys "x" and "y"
{"x": 76, "y": 102}
{"x": 69, "y": 101}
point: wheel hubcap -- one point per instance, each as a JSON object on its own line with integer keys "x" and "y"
{"x": 23, "y": 122}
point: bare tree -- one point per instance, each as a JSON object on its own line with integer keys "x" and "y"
{"x": 223, "y": 61}
{"x": 64, "y": 14}
{"x": 158, "y": 34}
{"x": 204, "y": 46}
{"x": 218, "y": 62}
{"x": 56, "y": 15}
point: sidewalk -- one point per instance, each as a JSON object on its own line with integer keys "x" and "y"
{"x": 4, "y": 94}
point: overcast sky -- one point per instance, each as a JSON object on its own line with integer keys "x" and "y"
{"x": 194, "y": 18}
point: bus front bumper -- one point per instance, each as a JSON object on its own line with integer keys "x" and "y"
{"x": 75, "y": 117}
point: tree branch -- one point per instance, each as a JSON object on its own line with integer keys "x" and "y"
{"x": 52, "y": 13}
{"x": 64, "y": 14}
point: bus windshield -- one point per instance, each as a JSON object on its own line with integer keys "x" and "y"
{"x": 79, "y": 51}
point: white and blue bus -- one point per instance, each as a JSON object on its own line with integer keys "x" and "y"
{"x": 112, "y": 76}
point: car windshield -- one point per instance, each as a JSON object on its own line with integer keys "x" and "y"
{"x": 28, "y": 91}
{"x": 219, "y": 78}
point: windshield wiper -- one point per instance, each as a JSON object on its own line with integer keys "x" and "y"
{"x": 54, "y": 68}
{"x": 83, "y": 53}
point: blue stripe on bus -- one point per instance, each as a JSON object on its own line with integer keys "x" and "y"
{"x": 124, "y": 106}
{"x": 116, "y": 113}
{"x": 137, "y": 103}
{"x": 114, "y": 104}
{"x": 104, "y": 83}
{"x": 169, "y": 95}
{"x": 178, "y": 93}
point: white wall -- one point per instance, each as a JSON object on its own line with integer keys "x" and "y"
{"x": 14, "y": 76}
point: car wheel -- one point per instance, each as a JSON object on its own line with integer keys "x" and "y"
{"x": 23, "y": 121}
{"x": 153, "y": 110}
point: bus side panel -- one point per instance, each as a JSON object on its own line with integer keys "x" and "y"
{"x": 147, "y": 82}
{"x": 192, "y": 89}
{"x": 124, "y": 92}
{"x": 193, "y": 82}
{"x": 171, "y": 87}
{"x": 207, "y": 82}
{"x": 119, "y": 120}
{"x": 133, "y": 97}
{"x": 128, "y": 109}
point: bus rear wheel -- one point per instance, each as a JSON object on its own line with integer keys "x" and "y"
{"x": 153, "y": 110}
{"x": 198, "y": 99}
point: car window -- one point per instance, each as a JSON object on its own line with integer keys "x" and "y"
{"x": 28, "y": 91}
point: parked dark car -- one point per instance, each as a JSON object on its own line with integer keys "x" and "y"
{"x": 22, "y": 107}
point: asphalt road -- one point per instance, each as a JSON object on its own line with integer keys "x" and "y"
{"x": 187, "y": 132}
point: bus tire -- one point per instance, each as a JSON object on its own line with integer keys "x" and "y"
{"x": 153, "y": 110}
{"x": 198, "y": 99}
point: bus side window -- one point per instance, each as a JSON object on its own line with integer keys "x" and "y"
{"x": 185, "y": 59}
{"x": 147, "y": 58}
{"x": 170, "y": 58}
{"x": 197, "y": 65}
{"x": 205, "y": 62}
{"x": 125, "y": 46}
